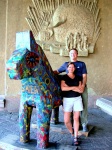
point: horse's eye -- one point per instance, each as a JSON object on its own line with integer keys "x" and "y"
{"x": 32, "y": 60}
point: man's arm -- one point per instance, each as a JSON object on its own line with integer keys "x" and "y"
{"x": 84, "y": 74}
{"x": 61, "y": 69}
{"x": 84, "y": 81}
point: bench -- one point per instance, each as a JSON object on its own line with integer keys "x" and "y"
{"x": 105, "y": 105}
{"x": 2, "y": 101}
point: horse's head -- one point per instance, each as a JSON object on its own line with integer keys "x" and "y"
{"x": 28, "y": 60}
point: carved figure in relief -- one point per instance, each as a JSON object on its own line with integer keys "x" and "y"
{"x": 67, "y": 43}
{"x": 72, "y": 40}
{"x": 82, "y": 40}
{"x": 78, "y": 39}
{"x": 85, "y": 46}
{"x": 75, "y": 40}
{"x": 70, "y": 16}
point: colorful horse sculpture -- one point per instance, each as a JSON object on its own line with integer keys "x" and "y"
{"x": 40, "y": 87}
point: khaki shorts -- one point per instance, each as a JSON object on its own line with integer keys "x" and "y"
{"x": 72, "y": 104}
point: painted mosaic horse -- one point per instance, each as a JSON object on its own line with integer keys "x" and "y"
{"x": 40, "y": 87}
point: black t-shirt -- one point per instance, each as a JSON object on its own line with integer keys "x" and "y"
{"x": 71, "y": 82}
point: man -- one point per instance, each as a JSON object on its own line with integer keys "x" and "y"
{"x": 80, "y": 71}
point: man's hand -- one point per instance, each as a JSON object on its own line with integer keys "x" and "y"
{"x": 79, "y": 88}
{"x": 56, "y": 72}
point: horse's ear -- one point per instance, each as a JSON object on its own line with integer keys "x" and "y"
{"x": 25, "y": 40}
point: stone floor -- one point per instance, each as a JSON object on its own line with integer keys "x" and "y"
{"x": 100, "y": 137}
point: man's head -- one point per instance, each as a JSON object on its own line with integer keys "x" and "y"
{"x": 73, "y": 54}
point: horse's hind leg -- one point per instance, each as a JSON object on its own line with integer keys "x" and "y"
{"x": 24, "y": 122}
{"x": 55, "y": 116}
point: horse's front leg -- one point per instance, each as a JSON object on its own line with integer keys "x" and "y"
{"x": 43, "y": 125}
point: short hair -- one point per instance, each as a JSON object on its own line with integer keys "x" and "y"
{"x": 74, "y": 50}
{"x": 70, "y": 63}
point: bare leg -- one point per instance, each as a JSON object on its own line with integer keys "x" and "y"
{"x": 67, "y": 121}
{"x": 76, "y": 122}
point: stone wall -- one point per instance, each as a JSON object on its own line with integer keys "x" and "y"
{"x": 12, "y": 20}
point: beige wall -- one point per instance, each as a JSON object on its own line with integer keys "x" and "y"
{"x": 99, "y": 64}
{"x": 16, "y": 13}
{"x": 2, "y": 45}
{"x": 15, "y": 23}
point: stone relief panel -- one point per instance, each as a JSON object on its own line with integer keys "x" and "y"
{"x": 59, "y": 25}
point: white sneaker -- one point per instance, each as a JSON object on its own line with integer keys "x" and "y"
{"x": 84, "y": 128}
